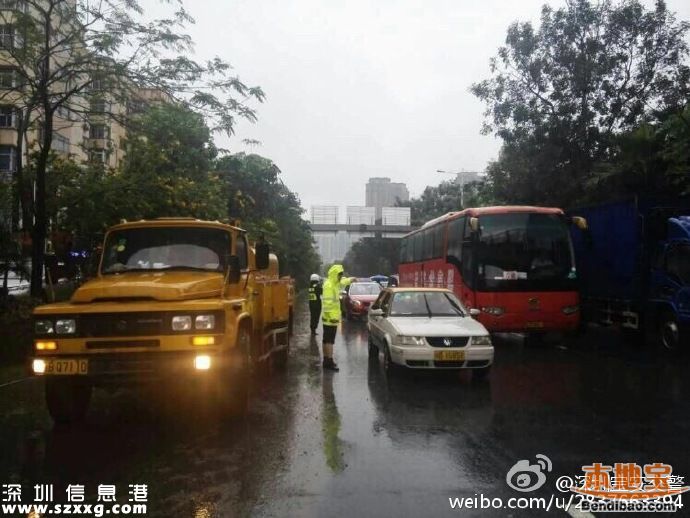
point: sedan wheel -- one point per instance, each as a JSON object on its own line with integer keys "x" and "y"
{"x": 389, "y": 366}
{"x": 669, "y": 332}
{"x": 373, "y": 350}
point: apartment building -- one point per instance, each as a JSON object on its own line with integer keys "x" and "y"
{"x": 91, "y": 129}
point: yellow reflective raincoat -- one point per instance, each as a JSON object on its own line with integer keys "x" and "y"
{"x": 331, "y": 314}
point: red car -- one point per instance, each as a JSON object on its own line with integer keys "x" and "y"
{"x": 358, "y": 297}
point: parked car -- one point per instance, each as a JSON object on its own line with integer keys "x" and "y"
{"x": 358, "y": 297}
{"x": 427, "y": 328}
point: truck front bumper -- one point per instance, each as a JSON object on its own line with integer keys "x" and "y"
{"x": 134, "y": 368}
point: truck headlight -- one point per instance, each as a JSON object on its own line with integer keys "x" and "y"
{"x": 409, "y": 340}
{"x": 43, "y": 327}
{"x": 205, "y": 322}
{"x": 66, "y": 326}
{"x": 181, "y": 323}
{"x": 481, "y": 340}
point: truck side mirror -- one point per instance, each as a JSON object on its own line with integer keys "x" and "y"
{"x": 262, "y": 253}
{"x": 234, "y": 269}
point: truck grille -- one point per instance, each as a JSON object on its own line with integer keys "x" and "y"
{"x": 447, "y": 341}
{"x": 123, "y": 324}
{"x": 142, "y": 323}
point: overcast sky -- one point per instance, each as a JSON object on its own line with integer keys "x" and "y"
{"x": 359, "y": 88}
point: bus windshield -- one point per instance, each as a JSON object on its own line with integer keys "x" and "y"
{"x": 524, "y": 252}
{"x": 160, "y": 248}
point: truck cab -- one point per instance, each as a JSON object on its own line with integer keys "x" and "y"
{"x": 175, "y": 300}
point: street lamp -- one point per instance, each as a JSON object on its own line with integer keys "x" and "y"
{"x": 459, "y": 177}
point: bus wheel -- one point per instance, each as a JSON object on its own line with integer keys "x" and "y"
{"x": 67, "y": 398}
{"x": 669, "y": 332}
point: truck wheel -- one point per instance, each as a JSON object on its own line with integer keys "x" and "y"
{"x": 234, "y": 385}
{"x": 67, "y": 398}
{"x": 280, "y": 358}
{"x": 669, "y": 332}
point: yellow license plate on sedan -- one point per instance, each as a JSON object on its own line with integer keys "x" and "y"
{"x": 534, "y": 325}
{"x": 449, "y": 356}
{"x": 67, "y": 367}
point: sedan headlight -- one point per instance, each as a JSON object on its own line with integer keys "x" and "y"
{"x": 43, "y": 327}
{"x": 182, "y": 323}
{"x": 65, "y": 326}
{"x": 205, "y": 322}
{"x": 410, "y": 340}
{"x": 481, "y": 340}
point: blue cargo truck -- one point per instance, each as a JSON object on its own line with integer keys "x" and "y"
{"x": 633, "y": 264}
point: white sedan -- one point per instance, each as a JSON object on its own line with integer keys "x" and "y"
{"x": 427, "y": 328}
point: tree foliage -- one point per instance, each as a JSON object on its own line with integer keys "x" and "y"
{"x": 446, "y": 197}
{"x": 575, "y": 92}
{"x": 372, "y": 256}
{"x": 257, "y": 196}
{"x": 65, "y": 53}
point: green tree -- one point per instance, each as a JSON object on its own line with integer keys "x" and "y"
{"x": 65, "y": 52}
{"x": 560, "y": 94}
{"x": 371, "y": 256}
{"x": 168, "y": 171}
{"x": 256, "y": 195}
{"x": 446, "y": 197}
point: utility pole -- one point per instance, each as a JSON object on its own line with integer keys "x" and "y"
{"x": 459, "y": 177}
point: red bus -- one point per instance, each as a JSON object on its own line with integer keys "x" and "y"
{"x": 515, "y": 264}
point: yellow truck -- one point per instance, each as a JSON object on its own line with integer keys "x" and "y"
{"x": 175, "y": 300}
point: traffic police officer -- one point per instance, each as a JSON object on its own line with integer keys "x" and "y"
{"x": 315, "y": 291}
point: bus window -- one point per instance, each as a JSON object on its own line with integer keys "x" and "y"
{"x": 417, "y": 246}
{"x": 456, "y": 236}
{"x": 437, "y": 232}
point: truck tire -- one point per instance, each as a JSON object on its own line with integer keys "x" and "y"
{"x": 280, "y": 358}
{"x": 669, "y": 333}
{"x": 67, "y": 398}
{"x": 234, "y": 383}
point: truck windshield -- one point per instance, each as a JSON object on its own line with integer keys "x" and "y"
{"x": 165, "y": 248}
{"x": 524, "y": 252}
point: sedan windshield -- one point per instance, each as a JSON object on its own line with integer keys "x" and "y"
{"x": 368, "y": 288}
{"x": 425, "y": 304}
{"x": 166, "y": 248}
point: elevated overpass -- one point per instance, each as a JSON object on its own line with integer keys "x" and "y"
{"x": 334, "y": 240}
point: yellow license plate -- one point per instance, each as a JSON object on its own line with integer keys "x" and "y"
{"x": 453, "y": 356}
{"x": 534, "y": 325}
{"x": 67, "y": 367}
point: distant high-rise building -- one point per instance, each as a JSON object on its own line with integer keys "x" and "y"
{"x": 381, "y": 192}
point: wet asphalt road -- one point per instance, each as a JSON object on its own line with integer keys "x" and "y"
{"x": 359, "y": 444}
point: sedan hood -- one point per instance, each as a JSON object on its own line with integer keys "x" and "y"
{"x": 364, "y": 298}
{"x": 152, "y": 285}
{"x": 438, "y": 326}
